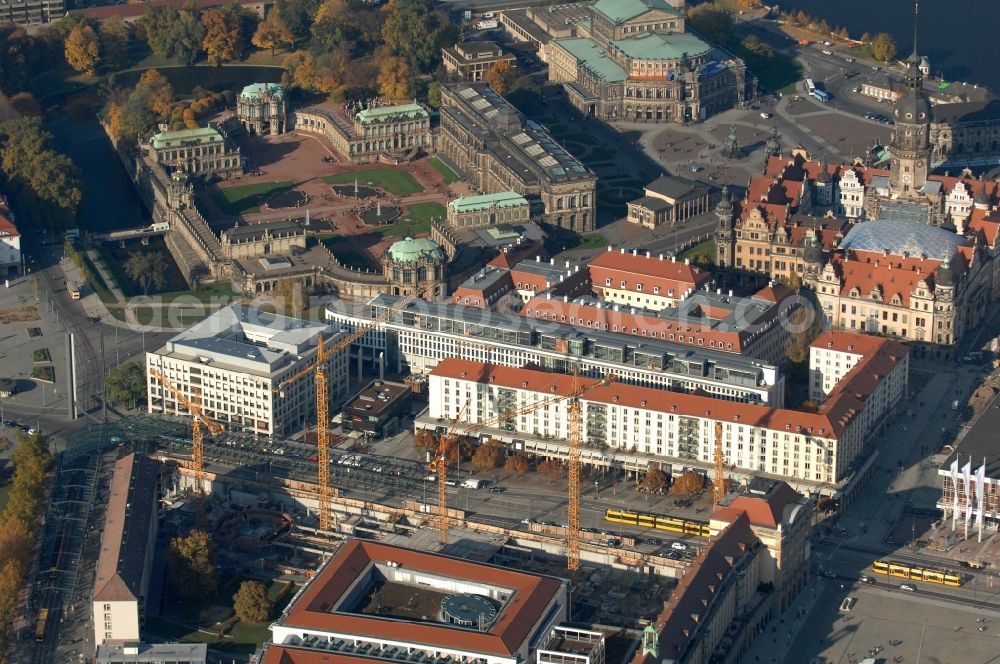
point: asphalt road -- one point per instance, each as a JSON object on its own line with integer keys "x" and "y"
{"x": 67, "y": 315}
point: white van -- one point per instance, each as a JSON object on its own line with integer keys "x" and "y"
{"x": 474, "y": 484}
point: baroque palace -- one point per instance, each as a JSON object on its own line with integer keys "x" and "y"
{"x": 899, "y": 252}
{"x": 633, "y": 59}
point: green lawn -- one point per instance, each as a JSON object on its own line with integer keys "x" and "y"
{"x": 450, "y": 177}
{"x": 588, "y": 241}
{"x": 703, "y": 253}
{"x": 404, "y": 229}
{"x": 242, "y": 637}
{"x": 114, "y": 268}
{"x": 46, "y": 374}
{"x": 207, "y": 293}
{"x": 34, "y": 332}
{"x": 41, "y": 356}
{"x": 389, "y": 179}
{"x": 425, "y": 212}
{"x": 248, "y": 197}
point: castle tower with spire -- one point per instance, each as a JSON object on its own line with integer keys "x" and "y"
{"x": 724, "y": 246}
{"x": 910, "y": 143}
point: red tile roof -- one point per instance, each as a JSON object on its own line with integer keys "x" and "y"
{"x": 483, "y": 298}
{"x": 633, "y": 322}
{"x": 834, "y": 416}
{"x": 697, "y": 589}
{"x": 313, "y": 609}
{"x": 893, "y": 275}
{"x": 767, "y": 511}
{"x": 277, "y": 654}
{"x": 850, "y": 342}
{"x": 651, "y": 272}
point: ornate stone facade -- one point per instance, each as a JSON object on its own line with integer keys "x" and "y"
{"x": 416, "y": 266}
{"x": 634, "y": 61}
{"x": 204, "y": 152}
{"x": 392, "y": 134}
{"x": 501, "y": 150}
{"x": 263, "y": 109}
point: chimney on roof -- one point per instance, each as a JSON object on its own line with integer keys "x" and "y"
{"x": 565, "y": 298}
{"x": 610, "y": 248}
{"x": 552, "y": 261}
{"x": 567, "y": 264}
{"x": 661, "y": 257}
{"x": 548, "y": 295}
{"x": 635, "y": 252}
{"x": 577, "y": 269}
{"x": 622, "y": 250}
{"x": 647, "y": 255}
{"x": 718, "y": 291}
{"x": 538, "y": 259}
{"x": 730, "y": 293}
{"x": 687, "y": 261}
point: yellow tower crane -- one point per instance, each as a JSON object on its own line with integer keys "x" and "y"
{"x": 719, "y": 487}
{"x": 199, "y": 419}
{"x": 575, "y": 434}
{"x": 318, "y": 365}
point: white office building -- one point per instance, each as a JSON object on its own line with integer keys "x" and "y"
{"x": 638, "y": 428}
{"x": 421, "y": 334}
{"x": 235, "y": 364}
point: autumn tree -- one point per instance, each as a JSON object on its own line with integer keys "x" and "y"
{"x": 516, "y": 464}
{"x": 805, "y": 324}
{"x": 298, "y": 15}
{"x": 83, "y": 49}
{"x": 191, "y": 566}
{"x": 251, "y": 603}
{"x": 655, "y": 481}
{"x": 395, "y": 78}
{"x": 712, "y": 22}
{"x": 114, "y": 43}
{"x": 499, "y": 76}
{"x": 156, "y": 92}
{"x": 415, "y": 31}
{"x": 126, "y": 385}
{"x": 148, "y": 269}
{"x": 551, "y": 468}
{"x": 425, "y": 441}
{"x": 488, "y": 455}
{"x": 883, "y": 47}
{"x": 221, "y": 41}
{"x": 186, "y": 37}
{"x": 44, "y": 180}
{"x": 434, "y": 94}
{"x": 272, "y": 32}
{"x": 339, "y": 24}
{"x": 688, "y": 483}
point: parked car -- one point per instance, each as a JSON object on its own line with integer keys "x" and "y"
{"x": 907, "y": 587}
{"x": 868, "y": 580}
{"x": 679, "y": 546}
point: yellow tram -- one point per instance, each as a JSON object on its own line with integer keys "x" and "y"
{"x": 671, "y": 524}
{"x": 917, "y": 573}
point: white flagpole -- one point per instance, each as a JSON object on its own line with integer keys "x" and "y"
{"x": 967, "y": 476}
{"x": 954, "y": 493}
{"x": 981, "y": 495}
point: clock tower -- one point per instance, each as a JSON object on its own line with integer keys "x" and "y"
{"x": 910, "y": 144}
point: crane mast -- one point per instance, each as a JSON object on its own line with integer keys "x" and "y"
{"x": 719, "y": 487}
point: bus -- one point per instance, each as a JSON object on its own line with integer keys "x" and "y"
{"x": 917, "y": 573}
{"x": 821, "y": 95}
{"x": 810, "y": 86}
{"x": 43, "y": 619}
{"x": 671, "y": 524}
{"x": 74, "y": 291}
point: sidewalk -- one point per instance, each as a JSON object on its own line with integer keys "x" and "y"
{"x": 773, "y": 645}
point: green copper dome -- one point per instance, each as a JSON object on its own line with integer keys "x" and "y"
{"x": 410, "y": 250}
{"x": 256, "y": 90}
